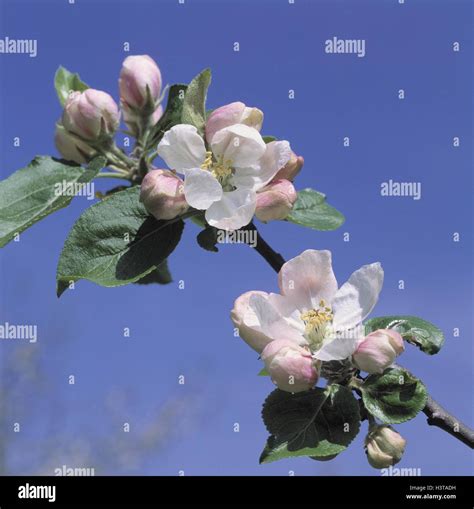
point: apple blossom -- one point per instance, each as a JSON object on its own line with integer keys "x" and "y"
{"x": 71, "y": 147}
{"x": 291, "y": 168}
{"x": 161, "y": 192}
{"x": 290, "y": 366}
{"x": 311, "y": 311}
{"x": 230, "y": 114}
{"x": 275, "y": 200}
{"x": 378, "y": 350}
{"x": 140, "y": 82}
{"x": 224, "y": 180}
{"x": 385, "y": 447}
{"x": 91, "y": 114}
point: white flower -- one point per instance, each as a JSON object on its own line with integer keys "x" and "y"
{"x": 311, "y": 310}
{"x": 224, "y": 180}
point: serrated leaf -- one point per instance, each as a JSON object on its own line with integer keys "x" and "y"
{"x": 312, "y": 210}
{"x": 317, "y": 423}
{"x": 66, "y": 82}
{"x": 394, "y": 396}
{"x": 34, "y": 192}
{"x": 207, "y": 239}
{"x": 161, "y": 275}
{"x": 171, "y": 116}
{"x": 116, "y": 242}
{"x": 426, "y": 336}
{"x": 194, "y": 107}
{"x": 269, "y": 139}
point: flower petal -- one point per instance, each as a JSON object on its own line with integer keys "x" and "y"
{"x": 357, "y": 297}
{"x": 277, "y": 154}
{"x": 238, "y": 145}
{"x": 234, "y": 210}
{"x": 247, "y": 322}
{"x": 308, "y": 278}
{"x": 271, "y": 322}
{"x": 182, "y": 148}
{"x": 201, "y": 188}
{"x": 340, "y": 346}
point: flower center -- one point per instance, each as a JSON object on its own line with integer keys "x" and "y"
{"x": 316, "y": 322}
{"x": 221, "y": 169}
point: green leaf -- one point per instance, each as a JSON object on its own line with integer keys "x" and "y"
{"x": 194, "y": 107}
{"x": 116, "y": 242}
{"x": 161, "y": 275}
{"x": 394, "y": 396}
{"x": 171, "y": 116}
{"x": 312, "y": 211}
{"x": 32, "y": 193}
{"x": 268, "y": 139}
{"x": 263, "y": 372}
{"x": 66, "y": 82}
{"x": 317, "y": 423}
{"x": 426, "y": 336}
{"x": 207, "y": 239}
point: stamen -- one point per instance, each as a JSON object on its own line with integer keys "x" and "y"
{"x": 316, "y": 322}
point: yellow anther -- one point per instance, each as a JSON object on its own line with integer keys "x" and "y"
{"x": 207, "y": 164}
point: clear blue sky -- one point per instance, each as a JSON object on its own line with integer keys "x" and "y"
{"x": 188, "y": 331}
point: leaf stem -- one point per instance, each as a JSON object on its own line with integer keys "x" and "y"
{"x": 437, "y": 415}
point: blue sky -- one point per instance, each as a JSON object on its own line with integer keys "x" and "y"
{"x": 187, "y": 331}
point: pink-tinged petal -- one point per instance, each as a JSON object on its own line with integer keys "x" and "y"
{"x": 238, "y": 145}
{"x": 182, "y": 148}
{"x": 308, "y": 278}
{"x": 246, "y": 320}
{"x": 357, "y": 297}
{"x": 258, "y": 175}
{"x": 272, "y": 323}
{"x": 201, "y": 188}
{"x": 233, "y": 211}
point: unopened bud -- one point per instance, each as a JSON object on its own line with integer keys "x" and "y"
{"x": 385, "y": 447}
{"x": 275, "y": 200}
{"x": 162, "y": 194}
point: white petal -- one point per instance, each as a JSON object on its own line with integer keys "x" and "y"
{"x": 340, "y": 347}
{"x": 357, "y": 297}
{"x": 288, "y": 311}
{"x": 201, "y": 188}
{"x": 276, "y": 155}
{"x": 234, "y": 210}
{"x": 271, "y": 322}
{"x": 247, "y": 322}
{"x": 308, "y": 278}
{"x": 182, "y": 148}
{"x": 238, "y": 145}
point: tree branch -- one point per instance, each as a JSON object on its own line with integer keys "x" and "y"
{"x": 436, "y": 414}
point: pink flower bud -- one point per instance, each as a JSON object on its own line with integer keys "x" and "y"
{"x": 162, "y": 194}
{"x": 290, "y": 366}
{"x": 71, "y": 147}
{"x": 230, "y": 114}
{"x": 247, "y": 323}
{"x": 378, "y": 350}
{"x": 275, "y": 200}
{"x": 90, "y": 114}
{"x": 291, "y": 168}
{"x": 384, "y": 446}
{"x": 140, "y": 82}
